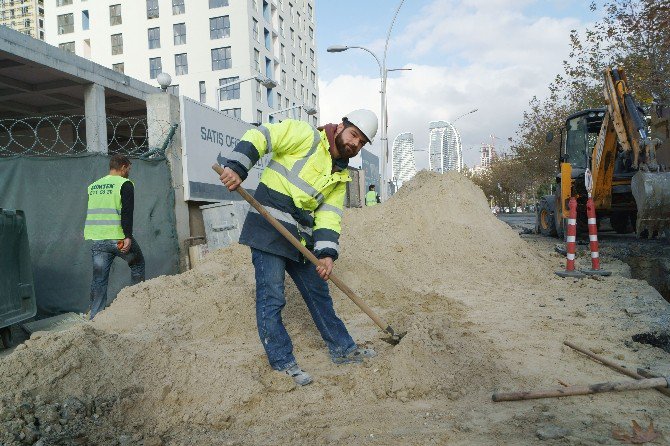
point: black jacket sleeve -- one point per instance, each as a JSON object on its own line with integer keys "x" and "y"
{"x": 127, "y": 207}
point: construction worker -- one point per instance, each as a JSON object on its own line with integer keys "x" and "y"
{"x": 303, "y": 187}
{"x": 371, "y": 198}
{"x": 109, "y": 224}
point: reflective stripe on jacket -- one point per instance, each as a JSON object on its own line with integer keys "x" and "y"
{"x": 371, "y": 198}
{"x": 297, "y": 188}
{"x": 103, "y": 217}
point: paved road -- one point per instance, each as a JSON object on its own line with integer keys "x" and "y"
{"x": 519, "y": 220}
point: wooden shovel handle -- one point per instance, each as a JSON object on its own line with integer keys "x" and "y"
{"x": 308, "y": 255}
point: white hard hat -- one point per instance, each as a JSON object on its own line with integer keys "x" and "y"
{"x": 365, "y": 120}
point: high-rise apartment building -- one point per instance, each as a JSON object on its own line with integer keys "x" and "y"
{"x": 445, "y": 151}
{"x": 25, "y": 16}
{"x": 202, "y": 44}
{"x": 403, "y": 162}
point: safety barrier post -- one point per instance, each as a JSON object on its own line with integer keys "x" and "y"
{"x": 593, "y": 241}
{"x": 571, "y": 242}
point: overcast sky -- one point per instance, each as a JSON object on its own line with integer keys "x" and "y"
{"x": 492, "y": 55}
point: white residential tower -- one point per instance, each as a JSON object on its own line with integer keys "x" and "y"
{"x": 445, "y": 151}
{"x": 202, "y": 44}
{"x": 403, "y": 162}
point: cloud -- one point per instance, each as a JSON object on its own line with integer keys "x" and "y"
{"x": 493, "y": 56}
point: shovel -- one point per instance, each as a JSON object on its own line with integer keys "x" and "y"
{"x": 393, "y": 339}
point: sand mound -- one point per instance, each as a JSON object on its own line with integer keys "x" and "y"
{"x": 180, "y": 355}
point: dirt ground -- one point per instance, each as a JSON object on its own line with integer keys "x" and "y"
{"x": 177, "y": 361}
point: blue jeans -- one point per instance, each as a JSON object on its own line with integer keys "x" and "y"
{"x": 104, "y": 252}
{"x": 270, "y": 300}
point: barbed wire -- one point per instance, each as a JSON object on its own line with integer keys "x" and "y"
{"x": 59, "y": 135}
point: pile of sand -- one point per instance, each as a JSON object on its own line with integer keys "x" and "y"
{"x": 180, "y": 355}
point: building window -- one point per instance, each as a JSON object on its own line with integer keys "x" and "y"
{"x": 203, "y": 91}
{"x": 278, "y": 99}
{"x": 259, "y": 116}
{"x": 221, "y": 58}
{"x": 118, "y": 67}
{"x": 65, "y": 23}
{"x": 58, "y": 3}
{"x": 286, "y": 103}
{"x": 217, "y": 3}
{"x": 310, "y": 12}
{"x": 180, "y": 64}
{"x": 233, "y": 112}
{"x": 259, "y": 92}
{"x": 311, "y": 35}
{"x": 282, "y": 53}
{"x": 85, "y": 21}
{"x": 115, "y": 15}
{"x": 254, "y": 5}
{"x": 283, "y": 79}
{"x": 152, "y": 9}
{"x": 155, "y": 67}
{"x": 178, "y": 7}
{"x": 313, "y": 100}
{"x": 230, "y": 92}
{"x": 154, "y": 38}
{"x": 254, "y": 28}
{"x": 179, "y": 31}
{"x": 281, "y": 26}
{"x": 291, "y": 34}
{"x": 313, "y": 77}
{"x": 295, "y": 87}
{"x": 290, "y": 10}
{"x": 266, "y": 10}
{"x": 257, "y": 60}
{"x": 311, "y": 55}
{"x": 173, "y": 89}
{"x": 67, "y": 46}
{"x": 117, "y": 44}
{"x": 219, "y": 27}
{"x": 293, "y": 62}
{"x": 268, "y": 40}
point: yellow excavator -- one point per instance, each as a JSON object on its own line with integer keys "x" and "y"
{"x": 611, "y": 149}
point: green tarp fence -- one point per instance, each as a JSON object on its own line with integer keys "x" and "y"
{"x": 52, "y": 193}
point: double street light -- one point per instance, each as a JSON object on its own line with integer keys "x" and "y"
{"x": 383, "y": 73}
{"x": 309, "y": 110}
{"x": 266, "y": 82}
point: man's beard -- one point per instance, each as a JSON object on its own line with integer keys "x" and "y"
{"x": 340, "y": 146}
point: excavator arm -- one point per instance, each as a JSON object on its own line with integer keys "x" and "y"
{"x": 625, "y": 129}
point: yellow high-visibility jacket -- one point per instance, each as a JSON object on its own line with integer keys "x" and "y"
{"x": 297, "y": 187}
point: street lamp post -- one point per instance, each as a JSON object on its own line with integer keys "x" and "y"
{"x": 383, "y": 72}
{"x": 267, "y": 82}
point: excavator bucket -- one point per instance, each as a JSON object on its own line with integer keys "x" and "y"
{"x": 652, "y": 196}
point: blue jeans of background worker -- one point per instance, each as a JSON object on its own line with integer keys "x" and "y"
{"x": 270, "y": 300}
{"x": 104, "y": 252}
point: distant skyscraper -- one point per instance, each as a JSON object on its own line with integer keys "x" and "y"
{"x": 445, "y": 150}
{"x": 487, "y": 154}
{"x": 404, "y": 164}
{"x": 25, "y": 16}
{"x": 370, "y": 165}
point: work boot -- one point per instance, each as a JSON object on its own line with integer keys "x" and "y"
{"x": 355, "y": 356}
{"x": 301, "y": 377}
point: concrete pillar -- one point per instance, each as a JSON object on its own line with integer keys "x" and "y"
{"x": 96, "y": 118}
{"x": 162, "y": 113}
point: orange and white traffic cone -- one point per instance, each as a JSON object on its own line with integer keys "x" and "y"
{"x": 571, "y": 243}
{"x": 593, "y": 242}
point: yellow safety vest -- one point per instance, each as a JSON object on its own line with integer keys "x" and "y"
{"x": 103, "y": 217}
{"x": 371, "y": 198}
{"x": 297, "y": 187}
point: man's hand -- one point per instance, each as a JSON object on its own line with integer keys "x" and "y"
{"x": 126, "y": 246}
{"x": 230, "y": 179}
{"x": 325, "y": 267}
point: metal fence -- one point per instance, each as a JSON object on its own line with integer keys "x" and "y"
{"x": 58, "y": 135}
